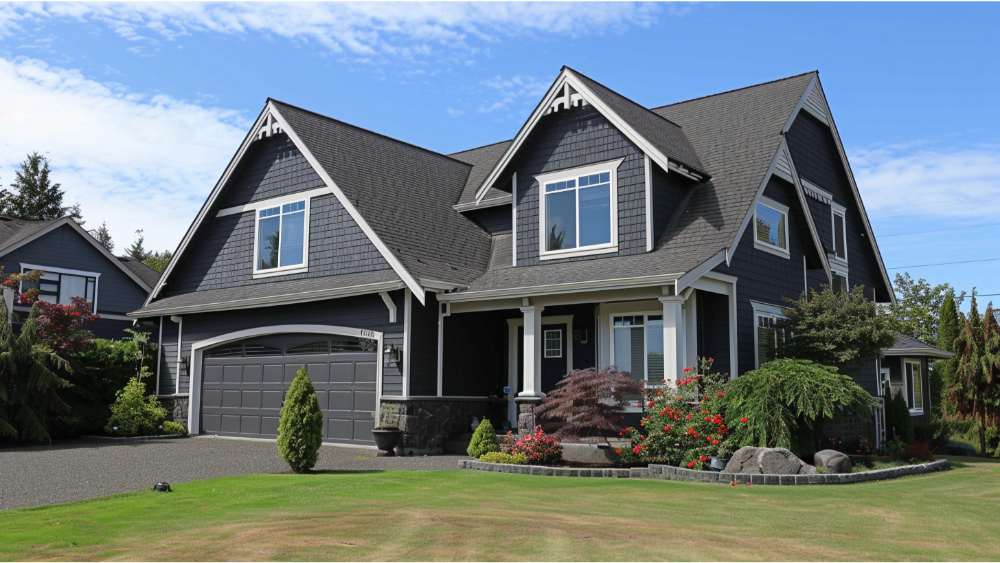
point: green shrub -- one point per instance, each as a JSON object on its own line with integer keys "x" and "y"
{"x": 783, "y": 402}
{"x": 484, "y": 440}
{"x": 300, "y": 429}
{"x": 898, "y": 422}
{"x": 935, "y": 433}
{"x": 174, "y": 429}
{"x": 500, "y": 457}
{"x": 133, "y": 413}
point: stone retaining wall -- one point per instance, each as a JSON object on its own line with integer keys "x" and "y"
{"x": 671, "y": 473}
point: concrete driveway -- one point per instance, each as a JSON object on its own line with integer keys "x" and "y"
{"x": 66, "y": 472}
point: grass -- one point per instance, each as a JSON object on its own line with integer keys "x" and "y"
{"x": 481, "y": 516}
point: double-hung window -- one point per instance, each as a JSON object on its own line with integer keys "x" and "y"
{"x": 770, "y": 227}
{"x": 839, "y": 232}
{"x": 768, "y": 335}
{"x": 61, "y": 286}
{"x": 282, "y": 238}
{"x": 637, "y": 346}
{"x": 553, "y": 343}
{"x": 914, "y": 385}
{"x": 578, "y": 211}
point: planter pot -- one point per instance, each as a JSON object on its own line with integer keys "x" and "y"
{"x": 387, "y": 440}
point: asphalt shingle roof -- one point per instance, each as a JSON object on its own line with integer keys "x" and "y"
{"x": 404, "y": 192}
{"x": 13, "y": 231}
{"x": 145, "y": 273}
{"x": 482, "y": 160}
{"x": 907, "y": 345}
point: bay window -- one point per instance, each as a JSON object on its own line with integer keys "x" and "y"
{"x": 578, "y": 211}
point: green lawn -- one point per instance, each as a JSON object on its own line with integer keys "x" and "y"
{"x": 479, "y": 516}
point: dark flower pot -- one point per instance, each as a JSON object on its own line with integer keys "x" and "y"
{"x": 387, "y": 440}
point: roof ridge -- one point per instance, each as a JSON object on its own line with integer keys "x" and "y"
{"x": 369, "y": 131}
{"x": 650, "y": 110}
{"x": 452, "y": 154}
{"x": 735, "y": 90}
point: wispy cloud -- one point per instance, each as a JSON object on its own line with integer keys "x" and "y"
{"x": 368, "y": 30}
{"x": 507, "y": 92}
{"x": 922, "y": 180}
{"x": 135, "y": 161}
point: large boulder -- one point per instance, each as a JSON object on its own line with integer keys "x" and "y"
{"x": 832, "y": 461}
{"x": 768, "y": 461}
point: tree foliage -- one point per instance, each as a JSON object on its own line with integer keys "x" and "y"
{"x": 63, "y": 327}
{"x": 774, "y": 402}
{"x": 28, "y": 381}
{"x": 835, "y": 328}
{"x": 134, "y": 413}
{"x": 103, "y": 236}
{"x": 136, "y": 249}
{"x": 484, "y": 440}
{"x": 158, "y": 260}
{"x": 591, "y": 399}
{"x": 943, "y": 371}
{"x": 154, "y": 259}
{"x": 34, "y": 197}
{"x": 975, "y": 388}
{"x": 300, "y": 427}
{"x": 919, "y": 306}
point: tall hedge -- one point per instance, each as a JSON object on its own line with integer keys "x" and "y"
{"x": 300, "y": 429}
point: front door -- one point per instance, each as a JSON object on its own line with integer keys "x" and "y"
{"x": 553, "y": 356}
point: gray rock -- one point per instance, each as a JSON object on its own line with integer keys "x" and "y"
{"x": 744, "y": 461}
{"x": 767, "y": 461}
{"x": 832, "y": 461}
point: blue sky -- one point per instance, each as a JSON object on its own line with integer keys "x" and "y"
{"x": 140, "y": 106}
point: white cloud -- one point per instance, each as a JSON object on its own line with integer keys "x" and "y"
{"x": 135, "y": 161}
{"x": 519, "y": 88}
{"x": 919, "y": 180}
{"x": 381, "y": 30}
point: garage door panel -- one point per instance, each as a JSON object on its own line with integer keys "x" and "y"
{"x": 291, "y": 370}
{"x": 341, "y": 401}
{"x": 231, "y": 423}
{"x": 274, "y": 373}
{"x": 341, "y": 372}
{"x": 364, "y": 401}
{"x": 269, "y": 426}
{"x": 363, "y": 430}
{"x": 230, "y": 398}
{"x": 212, "y": 398}
{"x": 271, "y": 399}
{"x": 318, "y": 372}
{"x": 212, "y": 423}
{"x": 250, "y": 400}
{"x": 322, "y": 397}
{"x": 232, "y": 374}
{"x": 213, "y": 374}
{"x": 253, "y": 373}
{"x": 341, "y": 429}
{"x": 365, "y": 372}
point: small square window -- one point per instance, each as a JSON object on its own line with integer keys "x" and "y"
{"x": 553, "y": 343}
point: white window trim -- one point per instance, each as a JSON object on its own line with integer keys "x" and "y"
{"x": 837, "y": 209}
{"x": 906, "y": 388}
{"x": 763, "y": 310}
{"x": 545, "y": 343}
{"x": 645, "y": 344}
{"x": 282, "y": 270}
{"x": 96, "y": 275}
{"x": 765, "y": 246}
{"x": 572, "y": 174}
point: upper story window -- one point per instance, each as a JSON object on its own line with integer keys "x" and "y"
{"x": 839, "y": 232}
{"x": 282, "y": 238}
{"x": 57, "y": 285}
{"x": 579, "y": 211}
{"x": 770, "y": 227}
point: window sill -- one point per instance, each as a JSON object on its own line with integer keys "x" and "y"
{"x": 572, "y": 253}
{"x": 837, "y": 262}
{"x": 280, "y": 272}
{"x": 772, "y": 249}
{"x": 916, "y": 412}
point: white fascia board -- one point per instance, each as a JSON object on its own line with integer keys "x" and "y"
{"x": 396, "y": 265}
{"x": 289, "y": 299}
{"x": 734, "y": 244}
{"x": 647, "y": 169}
{"x": 437, "y": 285}
{"x": 699, "y": 271}
{"x": 486, "y": 203}
{"x": 274, "y": 201}
{"x": 815, "y": 83}
{"x": 203, "y": 212}
{"x": 929, "y": 352}
{"x": 556, "y": 289}
{"x": 87, "y": 237}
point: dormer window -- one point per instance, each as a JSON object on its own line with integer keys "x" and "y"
{"x": 579, "y": 211}
{"x": 282, "y": 239}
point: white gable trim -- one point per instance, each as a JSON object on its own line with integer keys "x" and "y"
{"x": 814, "y": 101}
{"x": 557, "y": 89}
{"x": 87, "y": 237}
{"x": 269, "y": 121}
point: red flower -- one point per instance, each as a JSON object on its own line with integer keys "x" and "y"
{"x": 715, "y": 442}
{"x": 692, "y": 464}
{"x": 748, "y": 482}
{"x": 659, "y": 393}
{"x": 719, "y": 393}
{"x": 618, "y": 451}
{"x": 680, "y": 398}
{"x": 743, "y": 420}
{"x": 703, "y": 458}
{"x": 687, "y": 370}
{"x": 733, "y": 483}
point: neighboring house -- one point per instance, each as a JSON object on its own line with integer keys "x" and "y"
{"x": 906, "y": 369}
{"x": 422, "y": 285}
{"x": 75, "y": 265}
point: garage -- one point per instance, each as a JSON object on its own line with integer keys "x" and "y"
{"x": 244, "y": 384}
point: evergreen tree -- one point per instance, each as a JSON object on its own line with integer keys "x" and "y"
{"x": 300, "y": 424}
{"x": 944, "y": 370}
{"x": 34, "y": 197}
{"x": 103, "y": 236}
{"x": 975, "y": 389}
{"x": 137, "y": 250}
{"x": 158, "y": 260}
{"x": 484, "y": 440}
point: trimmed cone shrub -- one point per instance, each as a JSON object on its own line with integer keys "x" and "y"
{"x": 300, "y": 429}
{"x": 484, "y": 440}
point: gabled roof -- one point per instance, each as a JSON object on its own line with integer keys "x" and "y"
{"x": 908, "y": 346}
{"x": 482, "y": 160}
{"x": 148, "y": 275}
{"x": 15, "y": 233}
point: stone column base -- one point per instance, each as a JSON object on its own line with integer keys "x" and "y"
{"x": 177, "y": 408}
{"x": 526, "y": 419}
{"x": 427, "y": 424}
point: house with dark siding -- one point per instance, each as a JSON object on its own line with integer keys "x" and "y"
{"x": 74, "y": 264}
{"x": 427, "y": 289}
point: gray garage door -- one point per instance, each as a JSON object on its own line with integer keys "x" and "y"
{"x": 244, "y": 384}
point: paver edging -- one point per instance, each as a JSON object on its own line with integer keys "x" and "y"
{"x": 670, "y": 473}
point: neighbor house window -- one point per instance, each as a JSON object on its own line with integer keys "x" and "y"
{"x": 553, "y": 343}
{"x": 637, "y": 346}
{"x": 578, "y": 210}
{"x": 769, "y": 335}
{"x": 771, "y": 227}
{"x": 60, "y": 286}
{"x": 281, "y": 237}
{"x": 839, "y": 233}
{"x": 914, "y": 385}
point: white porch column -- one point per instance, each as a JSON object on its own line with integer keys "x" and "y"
{"x": 532, "y": 384}
{"x": 674, "y": 347}
{"x": 691, "y": 328}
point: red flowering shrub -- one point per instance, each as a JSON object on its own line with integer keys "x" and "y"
{"x": 61, "y": 327}
{"x": 851, "y": 445}
{"x": 682, "y": 426}
{"x": 537, "y": 448}
{"x": 920, "y": 451}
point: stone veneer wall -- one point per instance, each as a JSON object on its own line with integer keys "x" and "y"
{"x": 428, "y": 423}
{"x": 177, "y": 409}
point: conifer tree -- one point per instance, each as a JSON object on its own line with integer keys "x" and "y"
{"x": 137, "y": 250}
{"x": 300, "y": 426}
{"x": 944, "y": 370}
{"x": 975, "y": 389}
{"x": 103, "y": 236}
{"x": 34, "y": 197}
{"x": 484, "y": 440}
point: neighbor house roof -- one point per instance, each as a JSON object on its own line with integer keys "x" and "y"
{"x": 908, "y": 346}
{"x": 148, "y": 275}
{"x": 13, "y": 230}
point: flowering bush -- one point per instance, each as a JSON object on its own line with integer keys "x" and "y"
{"x": 61, "y": 327}
{"x": 500, "y": 457}
{"x": 851, "y": 445}
{"x": 683, "y": 424}
{"x": 920, "y": 451}
{"x": 535, "y": 447}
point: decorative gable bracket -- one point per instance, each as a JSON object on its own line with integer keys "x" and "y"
{"x": 268, "y": 128}
{"x": 569, "y": 98}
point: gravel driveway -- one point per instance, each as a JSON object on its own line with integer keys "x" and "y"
{"x": 79, "y": 470}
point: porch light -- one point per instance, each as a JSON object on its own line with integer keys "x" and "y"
{"x": 391, "y": 354}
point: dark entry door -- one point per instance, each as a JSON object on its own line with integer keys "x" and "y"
{"x": 554, "y": 355}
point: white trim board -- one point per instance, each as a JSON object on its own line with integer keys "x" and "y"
{"x": 274, "y": 201}
{"x": 197, "y": 349}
